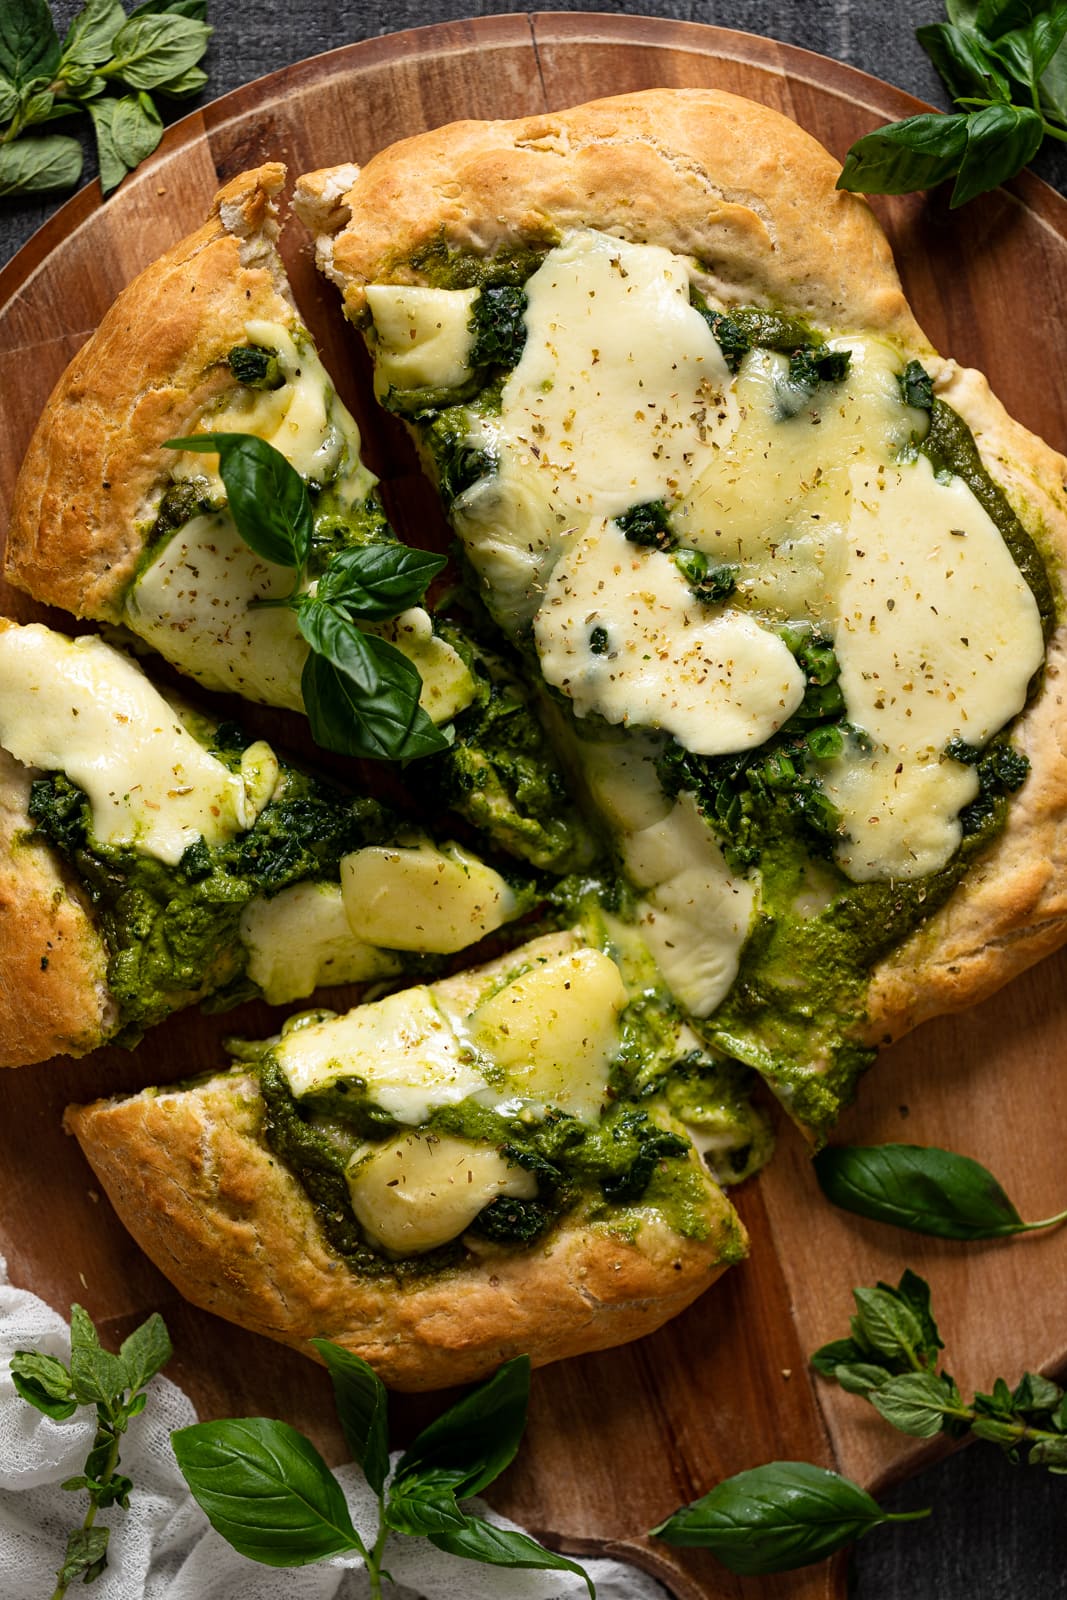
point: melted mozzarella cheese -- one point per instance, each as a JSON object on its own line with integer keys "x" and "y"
{"x": 422, "y": 337}
{"x": 78, "y": 706}
{"x": 419, "y": 1191}
{"x": 939, "y": 637}
{"x": 301, "y": 939}
{"x": 713, "y": 677}
{"x": 422, "y": 898}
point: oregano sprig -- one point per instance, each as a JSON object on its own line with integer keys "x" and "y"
{"x": 109, "y": 65}
{"x": 360, "y": 692}
{"x": 268, "y": 1492}
{"x": 1004, "y": 62}
{"x": 115, "y": 1385}
{"x": 922, "y": 1188}
{"x": 891, "y": 1359}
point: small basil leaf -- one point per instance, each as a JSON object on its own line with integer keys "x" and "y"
{"x": 127, "y": 130}
{"x": 914, "y": 1402}
{"x": 268, "y": 498}
{"x": 915, "y": 1292}
{"x": 29, "y": 44}
{"x": 965, "y": 67}
{"x": 1051, "y": 1453}
{"x": 860, "y": 1377}
{"x": 888, "y": 1322}
{"x": 9, "y": 99}
{"x": 266, "y": 1490}
{"x": 95, "y": 1374}
{"x": 920, "y": 1187}
{"x": 154, "y": 48}
{"x": 362, "y": 1405}
{"x": 44, "y": 1382}
{"x": 839, "y": 1352}
{"x": 86, "y": 1555}
{"x": 197, "y": 9}
{"x": 962, "y": 13}
{"x": 361, "y": 695}
{"x": 36, "y": 165}
{"x": 378, "y": 580}
{"x": 997, "y": 17}
{"x": 1036, "y": 1393}
{"x": 917, "y": 153}
{"x": 1000, "y": 141}
{"x": 88, "y": 41}
{"x": 191, "y": 81}
{"x": 423, "y": 1510}
{"x": 1046, "y": 34}
{"x": 145, "y": 1352}
{"x": 479, "y": 1436}
{"x": 995, "y": 1430}
{"x": 479, "y": 1540}
{"x": 778, "y": 1517}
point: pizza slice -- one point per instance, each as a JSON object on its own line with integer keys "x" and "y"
{"x": 789, "y": 581}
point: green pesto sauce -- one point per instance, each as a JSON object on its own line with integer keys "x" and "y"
{"x": 442, "y": 266}
{"x": 172, "y": 931}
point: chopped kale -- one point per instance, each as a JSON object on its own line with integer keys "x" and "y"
{"x": 917, "y": 386}
{"x": 181, "y": 502}
{"x": 1001, "y": 771}
{"x": 598, "y": 641}
{"x": 710, "y": 584}
{"x": 512, "y": 1221}
{"x": 256, "y": 366}
{"x": 457, "y": 462}
{"x": 498, "y": 322}
{"x": 960, "y": 750}
{"x": 812, "y": 365}
{"x": 648, "y": 524}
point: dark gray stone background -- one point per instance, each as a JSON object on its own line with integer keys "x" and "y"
{"x": 997, "y": 1531}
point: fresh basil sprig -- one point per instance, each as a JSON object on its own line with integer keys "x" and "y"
{"x": 268, "y": 1492}
{"x": 115, "y": 1385}
{"x": 777, "y": 1517}
{"x": 153, "y": 50}
{"x": 1004, "y": 62}
{"x": 923, "y": 1188}
{"x": 891, "y": 1358}
{"x": 360, "y": 692}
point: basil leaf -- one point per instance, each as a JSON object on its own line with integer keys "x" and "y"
{"x": 479, "y": 1436}
{"x": 95, "y": 1374}
{"x": 1051, "y": 1453}
{"x": 29, "y": 43}
{"x": 479, "y": 1540}
{"x": 145, "y": 1352}
{"x": 839, "y": 1352}
{"x": 1000, "y": 143}
{"x": 36, "y": 165}
{"x": 89, "y": 36}
{"x": 191, "y": 81}
{"x": 920, "y": 1187}
{"x": 362, "y": 1405}
{"x": 962, "y": 13}
{"x": 378, "y": 580}
{"x": 153, "y": 48}
{"x": 44, "y": 1382}
{"x": 85, "y": 1556}
{"x": 965, "y": 67}
{"x": 888, "y": 1323}
{"x": 915, "y": 1402}
{"x": 1053, "y": 86}
{"x": 266, "y": 1490}
{"x": 1035, "y": 1393}
{"x": 774, "y": 1518}
{"x": 177, "y": 8}
{"x": 127, "y": 130}
{"x": 997, "y": 17}
{"x": 859, "y": 1377}
{"x": 268, "y": 498}
{"x": 422, "y": 1509}
{"x": 9, "y": 99}
{"x": 915, "y": 1291}
{"x": 917, "y": 153}
{"x": 361, "y": 695}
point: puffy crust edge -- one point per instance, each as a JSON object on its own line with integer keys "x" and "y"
{"x": 95, "y": 471}
{"x": 752, "y": 196}
{"x": 193, "y": 1180}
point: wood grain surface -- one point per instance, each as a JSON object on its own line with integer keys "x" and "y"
{"x": 726, "y": 1385}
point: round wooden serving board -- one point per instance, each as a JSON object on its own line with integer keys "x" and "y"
{"x": 615, "y": 1441}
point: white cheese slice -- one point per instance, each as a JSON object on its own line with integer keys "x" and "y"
{"x": 554, "y": 1031}
{"x": 404, "y": 1048}
{"x": 78, "y": 706}
{"x": 422, "y": 338}
{"x": 714, "y": 677}
{"x": 423, "y": 898}
{"x": 939, "y": 637}
{"x": 421, "y": 1190}
{"x": 301, "y": 939}
{"x": 622, "y": 782}
{"x": 695, "y": 914}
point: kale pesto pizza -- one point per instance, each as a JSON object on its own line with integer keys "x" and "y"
{"x": 788, "y": 580}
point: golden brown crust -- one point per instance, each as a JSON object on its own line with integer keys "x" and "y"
{"x": 752, "y": 197}
{"x": 53, "y": 991}
{"x": 95, "y": 469}
{"x": 706, "y": 174}
{"x": 191, "y": 1176}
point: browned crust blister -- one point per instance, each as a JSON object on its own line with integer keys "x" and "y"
{"x": 751, "y": 197}
{"x": 191, "y": 1176}
{"x": 95, "y": 468}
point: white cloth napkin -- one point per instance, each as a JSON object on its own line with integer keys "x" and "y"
{"x": 163, "y": 1547}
